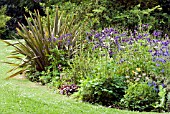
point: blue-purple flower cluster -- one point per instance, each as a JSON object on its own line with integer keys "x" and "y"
{"x": 115, "y": 41}
{"x": 156, "y": 86}
{"x": 110, "y": 38}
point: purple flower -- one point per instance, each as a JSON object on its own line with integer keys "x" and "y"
{"x": 135, "y": 32}
{"x": 49, "y": 39}
{"x": 116, "y": 42}
{"x": 117, "y": 37}
{"x": 146, "y": 35}
{"x": 163, "y": 85}
{"x": 166, "y": 53}
{"x": 106, "y": 30}
{"x": 157, "y": 64}
{"x": 156, "y": 89}
{"x": 111, "y": 30}
{"x": 96, "y": 46}
{"x": 157, "y": 33}
{"x": 68, "y": 42}
{"x": 148, "y": 39}
{"x": 54, "y": 39}
{"x": 157, "y": 53}
{"x": 122, "y": 60}
{"x": 165, "y": 43}
{"x": 160, "y": 60}
{"x": 67, "y": 35}
{"x": 111, "y": 53}
{"x": 130, "y": 43}
{"x": 149, "y": 84}
{"x": 116, "y": 32}
{"x": 154, "y": 84}
{"x": 145, "y": 26}
{"x": 97, "y": 35}
{"x": 139, "y": 37}
{"x": 150, "y": 51}
{"x": 162, "y": 71}
{"x": 123, "y": 34}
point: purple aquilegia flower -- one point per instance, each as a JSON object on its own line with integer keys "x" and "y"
{"x": 160, "y": 60}
{"x": 123, "y": 34}
{"x": 53, "y": 38}
{"x": 149, "y": 40}
{"x": 146, "y": 35}
{"x": 163, "y": 85}
{"x": 50, "y": 39}
{"x": 166, "y": 53}
{"x": 150, "y": 51}
{"x": 117, "y": 37}
{"x": 162, "y": 71}
{"x": 139, "y": 37}
{"x": 157, "y": 33}
{"x": 97, "y": 35}
{"x": 111, "y": 53}
{"x": 157, "y": 64}
{"x": 165, "y": 43}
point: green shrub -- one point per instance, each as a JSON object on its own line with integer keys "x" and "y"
{"x": 3, "y": 20}
{"x": 104, "y": 91}
{"x": 140, "y": 97}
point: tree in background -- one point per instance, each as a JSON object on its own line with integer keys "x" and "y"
{"x": 16, "y": 10}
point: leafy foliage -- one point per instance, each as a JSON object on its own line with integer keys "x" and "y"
{"x": 139, "y": 97}
{"x": 104, "y": 91}
{"x": 161, "y": 105}
{"x": 126, "y": 13}
{"x": 4, "y": 19}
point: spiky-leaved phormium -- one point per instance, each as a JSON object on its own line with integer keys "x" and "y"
{"x": 40, "y": 38}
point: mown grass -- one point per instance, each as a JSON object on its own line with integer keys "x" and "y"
{"x": 21, "y": 96}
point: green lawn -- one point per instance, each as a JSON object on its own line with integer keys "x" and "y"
{"x": 21, "y": 96}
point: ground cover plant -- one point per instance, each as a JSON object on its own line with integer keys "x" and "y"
{"x": 114, "y": 67}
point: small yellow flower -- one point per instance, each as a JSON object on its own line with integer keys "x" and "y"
{"x": 134, "y": 72}
{"x": 138, "y": 69}
{"x": 84, "y": 41}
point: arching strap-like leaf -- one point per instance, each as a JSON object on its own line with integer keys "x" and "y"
{"x": 15, "y": 74}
